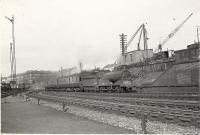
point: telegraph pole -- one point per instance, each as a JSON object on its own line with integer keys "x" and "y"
{"x": 13, "y": 59}
{"x": 123, "y": 45}
{"x": 198, "y": 29}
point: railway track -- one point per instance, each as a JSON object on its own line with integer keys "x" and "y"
{"x": 176, "y": 104}
{"x": 171, "y": 96}
{"x": 169, "y": 115}
{"x": 11, "y": 92}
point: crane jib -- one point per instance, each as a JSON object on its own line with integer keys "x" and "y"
{"x": 174, "y": 31}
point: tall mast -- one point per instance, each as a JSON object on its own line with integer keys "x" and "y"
{"x": 12, "y": 52}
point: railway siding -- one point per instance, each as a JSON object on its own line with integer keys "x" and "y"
{"x": 169, "y": 115}
{"x": 176, "y": 104}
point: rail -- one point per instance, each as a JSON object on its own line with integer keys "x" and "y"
{"x": 190, "y": 105}
{"x": 11, "y": 92}
{"x": 178, "y": 116}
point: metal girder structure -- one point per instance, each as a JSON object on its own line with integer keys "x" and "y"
{"x": 123, "y": 40}
{"x": 143, "y": 32}
{"x": 12, "y": 62}
{"x": 12, "y": 52}
{"x": 172, "y": 33}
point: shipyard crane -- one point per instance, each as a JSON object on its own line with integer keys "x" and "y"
{"x": 159, "y": 48}
{"x": 12, "y": 54}
{"x": 143, "y": 31}
{"x": 125, "y": 45}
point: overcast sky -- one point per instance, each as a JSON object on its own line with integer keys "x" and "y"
{"x": 54, "y": 33}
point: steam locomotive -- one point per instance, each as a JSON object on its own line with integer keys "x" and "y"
{"x": 119, "y": 80}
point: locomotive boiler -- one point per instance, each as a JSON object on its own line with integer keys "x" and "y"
{"x": 120, "y": 79}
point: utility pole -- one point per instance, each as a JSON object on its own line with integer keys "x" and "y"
{"x": 80, "y": 66}
{"x": 198, "y": 29}
{"x": 123, "y": 45}
{"x": 12, "y": 53}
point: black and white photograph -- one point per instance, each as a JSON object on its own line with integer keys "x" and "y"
{"x": 100, "y": 66}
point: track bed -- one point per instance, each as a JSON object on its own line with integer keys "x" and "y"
{"x": 181, "y": 116}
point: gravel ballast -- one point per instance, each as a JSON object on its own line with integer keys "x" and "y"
{"x": 130, "y": 123}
